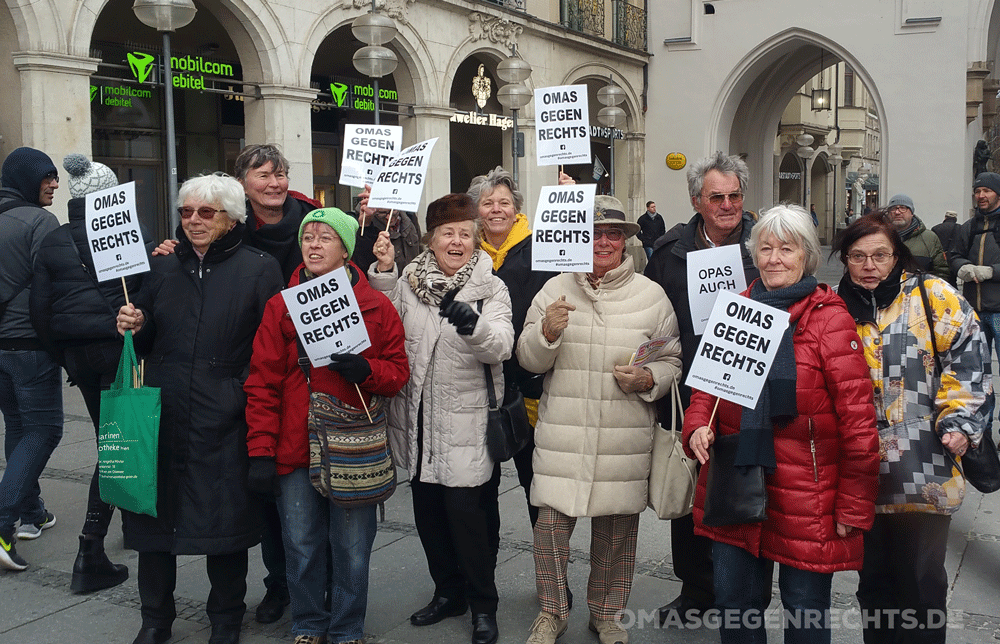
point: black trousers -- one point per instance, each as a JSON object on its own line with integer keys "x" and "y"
{"x": 93, "y": 367}
{"x": 158, "y": 577}
{"x": 904, "y": 571}
{"x": 692, "y": 558}
{"x": 272, "y": 549}
{"x": 522, "y": 461}
{"x": 459, "y": 529}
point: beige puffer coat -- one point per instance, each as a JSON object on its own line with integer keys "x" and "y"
{"x": 446, "y": 371}
{"x": 593, "y": 441}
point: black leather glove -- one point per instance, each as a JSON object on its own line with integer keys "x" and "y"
{"x": 459, "y": 313}
{"x": 351, "y": 366}
{"x": 263, "y": 476}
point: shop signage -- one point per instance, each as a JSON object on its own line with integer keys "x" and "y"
{"x": 353, "y": 96}
{"x": 789, "y": 175}
{"x": 188, "y": 71}
{"x": 490, "y": 120}
{"x": 606, "y": 132}
{"x": 676, "y": 160}
{"x": 117, "y": 95}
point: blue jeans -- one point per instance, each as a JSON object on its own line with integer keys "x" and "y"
{"x": 311, "y": 526}
{"x": 743, "y": 592}
{"x": 31, "y": 402}
{"x": 991, "y": 328}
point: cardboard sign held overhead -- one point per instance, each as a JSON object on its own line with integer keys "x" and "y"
{"x": 113, "y": 233}
{"x": 368, "y": 149}
{"x": 710, "y": 272}
{"x": 327, "y": 317}
{"x": 562, "y": 132}
{"x": 563, "y": 230}
{"x": 400, "y": 184}
{"x": 737, "y": 350}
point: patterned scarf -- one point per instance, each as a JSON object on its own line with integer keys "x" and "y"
{"x": 430, "y": 284}
{"x": 518, "y": 232}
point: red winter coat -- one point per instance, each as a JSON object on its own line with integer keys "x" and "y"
{"x": 277, "y": 393}
{"x": 806, "y": 498}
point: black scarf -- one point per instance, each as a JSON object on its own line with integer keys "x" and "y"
{"x": 777, "y": 398}
{"x": 862, "y": 304}
{"x": 279, "y": 240}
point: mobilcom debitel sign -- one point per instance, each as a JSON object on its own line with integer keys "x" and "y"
{"x": 188, "y": 71}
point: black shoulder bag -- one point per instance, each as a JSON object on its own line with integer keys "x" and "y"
{"x": 507, "y": 426}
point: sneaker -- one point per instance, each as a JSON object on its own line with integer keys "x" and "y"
{"x": 34, "y": 530}
{"x": 310, "y": 639}
{"x": 609, "y": 631}
{"x": 9, "y": 558}
{"x": 547, "y": 628}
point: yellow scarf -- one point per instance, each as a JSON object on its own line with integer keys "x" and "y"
{"x": 517, "y": 232}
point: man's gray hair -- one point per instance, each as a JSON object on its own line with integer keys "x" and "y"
{"x": 485, "y": 184}
{"x": 721, "y": 162}
{"x": 256, "y": 155}
{"x": 789, "y": 224}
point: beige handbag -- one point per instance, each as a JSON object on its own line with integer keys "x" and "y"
{"x": 672, "y": 478}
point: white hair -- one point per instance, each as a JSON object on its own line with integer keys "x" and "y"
{"x": 217, "y": 188}
{"x": 789, "y": 224}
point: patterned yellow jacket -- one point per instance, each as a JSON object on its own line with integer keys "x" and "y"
{"x": 917, "y": 473}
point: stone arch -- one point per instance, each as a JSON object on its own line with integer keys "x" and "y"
{"x": 749, "y": 105}
{"x": 597, "y": 70}
{"x": 28, "y": 17}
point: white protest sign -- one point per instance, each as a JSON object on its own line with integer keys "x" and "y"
{"x": 737, "y": 350}
{"x": 400, "y": 183}
{"x": 562, "y": 118}
{"x": 327, "y": 317}
{"x": 563, "y": 235}
{"x": 368, "y": 149}
{"x": 113, "y": 233}
{"x": 709, "y": 272}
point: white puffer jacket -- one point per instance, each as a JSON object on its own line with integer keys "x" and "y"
{"x": 446, "y": 371}
{"x": 593, "y": 441}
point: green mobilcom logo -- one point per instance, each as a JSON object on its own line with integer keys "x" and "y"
{"x": 339, "y": 91}
{"x": 93, "y": 92}
{"x": 141, "y": 65}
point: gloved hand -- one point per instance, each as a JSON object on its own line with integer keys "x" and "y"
{"x": 351, "y": 366}
{"x": 983, "y": 273}
{"x": 459, "y": 313}
{"x": 967, "y": 273}
{"x": 263, "y": 476}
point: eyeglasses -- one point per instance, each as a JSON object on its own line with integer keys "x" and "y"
{"x": 880, "y": 259}
{"x": 52, "y": 175}
{"x": 719, "y": 199}
{"x": 204, "y": 212}
{"x": 893, "y": 209}
{"x": 613, "y": 234}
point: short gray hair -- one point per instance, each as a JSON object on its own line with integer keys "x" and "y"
{"x": 789, "y": 224}
{"x": 217, "y": 188}
{"x": 720, "y": 162}
{"x": 256, "y": 155}
{"x": 485, "y": 184}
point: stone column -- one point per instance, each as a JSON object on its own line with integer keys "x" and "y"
{"x": 55, "y": 108}
{"x": 282, "y": 116}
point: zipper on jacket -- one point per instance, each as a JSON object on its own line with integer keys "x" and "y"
{"x": 812, "y": 449}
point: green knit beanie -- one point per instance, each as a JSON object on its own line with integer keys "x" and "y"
{"x": 345, "y": 225}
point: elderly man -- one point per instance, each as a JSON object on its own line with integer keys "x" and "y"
{"x": 716, "y": 186}
{"x": 923, "y": 243}
{"x": 30, "y": 387}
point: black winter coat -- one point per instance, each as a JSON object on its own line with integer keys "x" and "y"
{"x": 69, "y": 307}
{"x": 668, "y": 268}
{"x": 201, "y": 318}
{"x": 523, "y": 284}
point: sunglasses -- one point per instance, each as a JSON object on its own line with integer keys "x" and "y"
{"x": 719, "y": 199}
{"x": 204, "y": 212}
{"x": 613, "y": 234}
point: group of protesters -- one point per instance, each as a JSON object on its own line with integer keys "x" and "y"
{"x": 877, "y": 389}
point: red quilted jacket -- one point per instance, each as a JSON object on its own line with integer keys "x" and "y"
{"x": 277, "y": 394}
{"x": 808, "y": 495}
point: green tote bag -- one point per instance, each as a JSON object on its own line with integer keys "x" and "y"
{"x": 127, "y": 440}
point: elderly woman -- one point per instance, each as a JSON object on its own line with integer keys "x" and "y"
{"x": 925, "y": 351}
{"x": 278, "y": 397}
{"x": 813, "y": 434}
{"x": 595, "y": 421}
{"x": 457, "y": 318}
{"x": 195, "y": 319}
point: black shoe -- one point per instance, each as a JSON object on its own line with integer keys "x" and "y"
{"x": 92, "y": 569}
{"x": 272, "y": 607}
{"x": 569, "y": 597}
{"x": 152, "y": 636}
{"x": 439, "y": 608}
{"x": 225, "y": 634}
{"x": 484, "y": 628}
{"x": 681, "y": 612}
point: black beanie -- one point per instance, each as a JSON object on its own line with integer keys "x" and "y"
{"x": 989, "y": 180}
{"x": 23, "y": 171}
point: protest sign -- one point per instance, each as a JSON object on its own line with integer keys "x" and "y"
{"x": 400, "y": 183}
{"x": 709, "y": 272}
{"x": 737, "y": 350}
{"x": 563, "y": 235}
{"x": 368, "y": 149}
{"x": 562, "y": 132}
{"x": 327, "y": 317}
{"x": 113, "y": 232}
